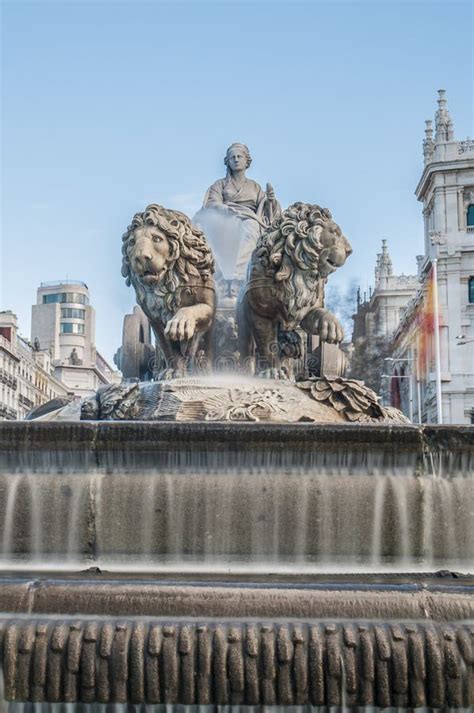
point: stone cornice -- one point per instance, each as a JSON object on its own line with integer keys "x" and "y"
{"x": 437, "y": 167}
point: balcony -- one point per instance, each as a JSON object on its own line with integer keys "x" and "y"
{"x": 25, "y": 401}
{"x": 8, "y": 379}
{"x": 8, "y": 346}
{"x": 7, "y": 413}
{"x": 470, "y": 228}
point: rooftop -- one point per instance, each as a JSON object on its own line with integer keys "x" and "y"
{"x": 58, "y": 283}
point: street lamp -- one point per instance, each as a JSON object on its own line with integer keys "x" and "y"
{"x": 462, "y": 339}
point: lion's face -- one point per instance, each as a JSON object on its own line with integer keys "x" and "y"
{"x": 335, "y": 251}
{"x": 149, "y": 253}
{"x": 305, "y": 242}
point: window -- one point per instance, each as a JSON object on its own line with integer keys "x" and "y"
{"x": 471, "y": 290}
{"x": 74, "y": 297}
{"x": 73, "y": 313}
{"x": 470, "y": 216}
{"x": 71, "y": 328}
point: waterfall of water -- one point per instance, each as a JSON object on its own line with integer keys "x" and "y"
{"x": 207, "y": 521}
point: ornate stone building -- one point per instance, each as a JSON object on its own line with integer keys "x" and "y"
{"x": 375, "y": 320}
{"x": 26, "y": 373}
{"x": 63, "y": 323}
{"x": 446, "y": 190}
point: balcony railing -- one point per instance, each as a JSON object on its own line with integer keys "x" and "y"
{"x": 6, "y": 344}
{"x": 25, "y": 401}
{"x": 8, "y": 379}
{"x": 7, "y": 412}
{"x": 470, "y": 228}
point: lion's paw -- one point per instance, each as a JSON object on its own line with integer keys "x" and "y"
{"x": 327, "y": 327}
{"x": 182, "y": 326}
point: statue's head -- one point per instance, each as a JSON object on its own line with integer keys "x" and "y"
{"x": 304, "y": 239}
{"x": 237, "y": 157}
{"x": 162, "y": 248}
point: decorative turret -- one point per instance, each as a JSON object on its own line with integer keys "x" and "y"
{"x": 428, "y": 143}
{"x": 443, "y": 121}
{"x": 383, "y": 267}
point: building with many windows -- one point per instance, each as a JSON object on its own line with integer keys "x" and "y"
{"x": 63, "y": 322}
{"x": 413, "y": 338}
{"x": 27, "y": 377}
{"x": 434, "y": 342}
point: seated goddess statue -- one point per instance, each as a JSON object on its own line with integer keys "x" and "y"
{"x": 235, "y": 212}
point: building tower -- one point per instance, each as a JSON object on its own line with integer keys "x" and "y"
{"x": 377, "y": 318}
{"x": 446, "y": 189}
{"x": 63, "y": 322}
{"x": 445, "y": 375}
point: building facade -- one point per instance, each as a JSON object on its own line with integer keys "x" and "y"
{"x": 435, "y": 338}
{"x": 375, "y": 320}
{"x": 63, "y": 323}
{"x": 27, "y": 377}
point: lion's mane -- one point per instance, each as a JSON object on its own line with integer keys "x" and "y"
{"x": 293, "y": 241}
{"x": 191, "y": 261}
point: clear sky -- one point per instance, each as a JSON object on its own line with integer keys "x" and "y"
{"x": 108, "y": 106}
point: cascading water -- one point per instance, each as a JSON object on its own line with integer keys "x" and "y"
{"x": 324, "y": 519}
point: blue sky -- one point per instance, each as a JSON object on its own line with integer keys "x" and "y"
{"x": 108, "y": 106}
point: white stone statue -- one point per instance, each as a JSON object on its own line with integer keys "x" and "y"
{"x": 235, "y": 212}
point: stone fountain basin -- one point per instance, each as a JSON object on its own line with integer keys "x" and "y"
{"x": 137, "y": 496}
{"x": 97, "y": 638}
{"x": 249, "y": 499}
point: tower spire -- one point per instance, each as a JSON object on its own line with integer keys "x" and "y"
{"x": 383, "y": 266}
{"x": 443, "y": 121}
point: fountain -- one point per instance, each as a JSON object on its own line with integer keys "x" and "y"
{"x": 270, "y": 536}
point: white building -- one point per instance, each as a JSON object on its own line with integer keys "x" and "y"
{"x": 63, "y": 323}
{"x": 26, "y": 374}
{"x": 446, "y": 190}
{"x": 376, "y": 319}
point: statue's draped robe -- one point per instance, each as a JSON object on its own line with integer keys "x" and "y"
{"x": 248, "y": 213}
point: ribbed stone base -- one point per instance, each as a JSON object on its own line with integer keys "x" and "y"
{"x": 239, "y": 663}
{"x": 369, "y": 643}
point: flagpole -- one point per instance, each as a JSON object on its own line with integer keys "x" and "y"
{"x": 439, "y": 406}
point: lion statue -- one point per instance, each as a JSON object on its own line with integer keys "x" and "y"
{"x": 170, "y": 265}
{"x": 284, "y": 289}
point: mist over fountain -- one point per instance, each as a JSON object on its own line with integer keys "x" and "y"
{"x": 267, "y": 537}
